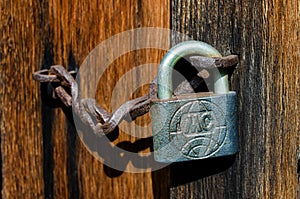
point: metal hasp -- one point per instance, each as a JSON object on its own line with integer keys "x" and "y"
{"x": 193, "y": 126}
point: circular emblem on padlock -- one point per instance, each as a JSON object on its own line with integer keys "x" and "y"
{"x": 198, "y": 129}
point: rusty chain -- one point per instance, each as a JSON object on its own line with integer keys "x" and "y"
{"x": 101, "y": 121}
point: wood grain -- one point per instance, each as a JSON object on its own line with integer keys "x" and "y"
{"x": 264, "y": 34}
{"x": 41, "y": 153}
{"x": 21, "y": 137}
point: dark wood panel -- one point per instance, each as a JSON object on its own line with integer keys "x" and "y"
{"x": 264, "y": 34}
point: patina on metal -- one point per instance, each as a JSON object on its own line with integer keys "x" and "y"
{"x": 175, "y": 54}
{"x": 193, "y": 126}
{"x": 102, "y": 122}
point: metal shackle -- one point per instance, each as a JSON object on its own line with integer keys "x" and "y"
{"x": 179, "y": 51}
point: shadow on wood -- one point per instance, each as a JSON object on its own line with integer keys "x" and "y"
{"x": 186, "y": 172}
{"x": 135, "y": 147}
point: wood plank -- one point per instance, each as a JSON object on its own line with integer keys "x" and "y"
{"x": 264, "y": 34}
{"x": 21, "y": 130}
{"x": 41, "y": 153}
{"x": 103, "y": 181}
{"x": 84, "y": 25}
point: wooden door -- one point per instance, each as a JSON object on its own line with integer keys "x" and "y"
{"x": 41, "y": 154}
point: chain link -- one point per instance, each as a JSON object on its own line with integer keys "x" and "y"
{"x": 101, "y": 121}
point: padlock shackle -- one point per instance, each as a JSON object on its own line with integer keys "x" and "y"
{"x": 175, "y": 54}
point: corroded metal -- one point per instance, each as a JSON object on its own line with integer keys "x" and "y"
{"x": 65, "y": 89}
{"x": 178, "y": 52}
{"x": 193, "y": 126}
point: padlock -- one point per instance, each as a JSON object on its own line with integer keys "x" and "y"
{"x": 193, "y": 126}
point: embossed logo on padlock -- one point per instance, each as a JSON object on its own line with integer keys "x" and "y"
{"x": 201, "y": 126}
{"x": 195, "y": 127}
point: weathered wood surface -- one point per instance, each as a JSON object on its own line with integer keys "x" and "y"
{"x": 265, "y": 34}
{"x": 21, "y": 137}
{"x": 41, "y": 153}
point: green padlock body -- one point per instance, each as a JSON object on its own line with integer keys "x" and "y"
{"x": 194, "y": 128}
